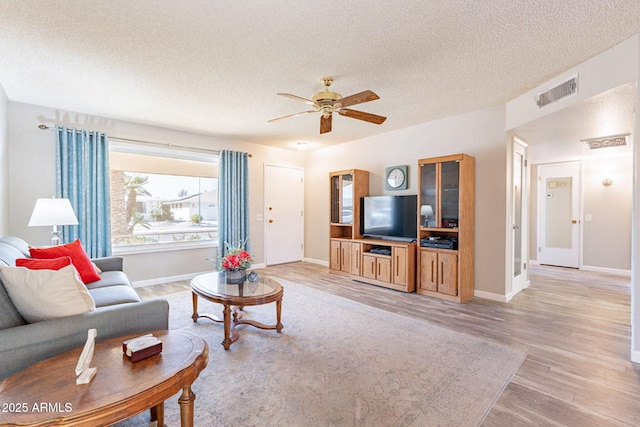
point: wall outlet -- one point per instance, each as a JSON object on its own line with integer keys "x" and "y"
{"x": 587, "y": 218}
{"x": 259, "y": 217}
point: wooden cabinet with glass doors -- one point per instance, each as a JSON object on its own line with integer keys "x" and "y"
{"x": 347, "y": 187}
{"x": 446, "y": 216}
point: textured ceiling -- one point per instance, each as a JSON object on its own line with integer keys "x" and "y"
{"x": 606, "y": 114}
{"x": 214, "y": 67}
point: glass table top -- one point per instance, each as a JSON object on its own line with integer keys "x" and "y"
{"x": 214, "y": 284}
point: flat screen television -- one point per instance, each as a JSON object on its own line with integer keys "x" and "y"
{"x": 389, "y": 217}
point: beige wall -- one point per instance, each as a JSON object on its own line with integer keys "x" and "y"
{"x": 635, "y": 233}
{"x": 4, "y": 163}
{"x": 606, "y": 239}
{"x": 612, "y": 68}
{"x": 479, "y": 134}
{"x": 604, "y": 245}
{"x": 32, "y": 172}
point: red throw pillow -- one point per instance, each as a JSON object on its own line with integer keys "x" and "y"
{"x": 79, "y": 258}
{"x": 44, "y": 264}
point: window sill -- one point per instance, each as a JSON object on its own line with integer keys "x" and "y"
{"x": 162, "y": 247}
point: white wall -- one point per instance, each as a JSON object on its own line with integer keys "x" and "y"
{"x": 480, "y": 134}
{"x": 32, "y": 172}
{"x": 612, "y": 68}
{"x": 4, "y": 163}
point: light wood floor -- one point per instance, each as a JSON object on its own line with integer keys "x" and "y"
{"x": 573, "y": 325}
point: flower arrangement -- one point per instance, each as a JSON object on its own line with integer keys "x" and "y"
{"x": 236, "y": 258}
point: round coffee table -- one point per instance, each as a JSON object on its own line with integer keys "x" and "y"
{"x": 212, "y": 287}
{"x": 46, "y": 394}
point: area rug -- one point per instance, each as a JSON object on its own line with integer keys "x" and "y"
{"x": 339, "y": 363}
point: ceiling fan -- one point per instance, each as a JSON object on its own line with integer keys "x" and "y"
{"x": 327, "y": 103}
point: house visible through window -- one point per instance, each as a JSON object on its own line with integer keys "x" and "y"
{"x": 162, "y": 197}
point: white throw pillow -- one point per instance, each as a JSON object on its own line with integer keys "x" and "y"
{"x": 46, "y": 294}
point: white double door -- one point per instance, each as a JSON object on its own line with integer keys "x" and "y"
{"x": 559, "y": 214}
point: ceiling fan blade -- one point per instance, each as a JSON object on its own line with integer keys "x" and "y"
{"x": 290, "y": 116}
{"x": 325, "y": 123}
{"x": 361, "y": 115}
{"x": 357, "y": 98}
{"x": 299, "y": 98}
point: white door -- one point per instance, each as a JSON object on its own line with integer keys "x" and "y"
{"x": 520, "y": 221}
{"x": 284, "y": 214}
{"x": 559, "y": 214}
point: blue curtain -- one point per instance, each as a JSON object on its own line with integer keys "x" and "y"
{"x": 233, "y": 197}
{"x": 82, "y": 176}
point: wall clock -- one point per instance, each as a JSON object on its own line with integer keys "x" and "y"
{"x": 396, "y": 178}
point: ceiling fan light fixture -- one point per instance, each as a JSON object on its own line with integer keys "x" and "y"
{"x": 326, "y": 103}
{"x": 326, "y": 96}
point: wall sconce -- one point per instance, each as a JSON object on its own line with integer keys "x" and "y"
{"x": 607, "y": 182}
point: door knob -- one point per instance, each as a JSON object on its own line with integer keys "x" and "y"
{"x": 270, "y": 221}
{"x": 573, "y": 221}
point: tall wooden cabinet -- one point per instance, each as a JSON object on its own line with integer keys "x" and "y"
{"x": 347, "y": 187}
{"x": 446, "y": 217}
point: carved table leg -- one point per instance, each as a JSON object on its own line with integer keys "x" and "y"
{"x": 194, "y": 299}
{"x": 186, "y": 406}
{"x": 227, "y": 327}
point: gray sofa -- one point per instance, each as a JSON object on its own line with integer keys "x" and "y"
{"x": 119, "y": 311}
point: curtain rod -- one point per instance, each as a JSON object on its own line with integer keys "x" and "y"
{"x": 158, "y": 144}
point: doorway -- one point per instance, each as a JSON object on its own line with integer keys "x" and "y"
{"x": 559, "y": 202}
{"x": 284, "y": 214}
{"x": 520, "y": 219}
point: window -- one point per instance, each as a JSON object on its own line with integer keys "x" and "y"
{"x": 162, "y": 198}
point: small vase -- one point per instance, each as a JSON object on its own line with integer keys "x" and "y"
{"x": 235, "y": 277}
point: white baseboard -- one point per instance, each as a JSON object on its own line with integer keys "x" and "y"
{"x": 635, "y": 356}
{"x": 159, "y": 280}
{"x": 617, "y": 271}
{"x": 316, "y": 261}
{"x": 492, "y": 296}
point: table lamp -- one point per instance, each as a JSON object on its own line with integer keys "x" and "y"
{"x": 53, "y": 212}
{"x": 427, "y": 212}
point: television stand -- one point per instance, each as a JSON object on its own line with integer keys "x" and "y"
{"x": 388, "y": 263}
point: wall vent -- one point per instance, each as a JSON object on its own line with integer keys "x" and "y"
{"x": 568, "y": 88}
{"x": 606, "y": 141}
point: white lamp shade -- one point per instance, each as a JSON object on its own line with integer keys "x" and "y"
{"x": 426, "y": 210}
{"x": 48, "y": 212}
